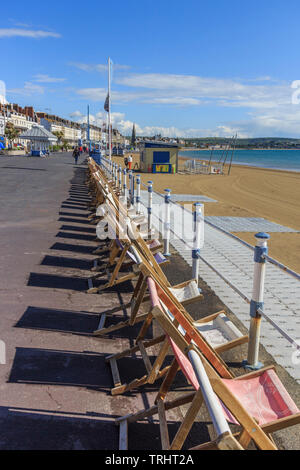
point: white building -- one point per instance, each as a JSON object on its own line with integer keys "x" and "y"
{"x": 71, "y": 130}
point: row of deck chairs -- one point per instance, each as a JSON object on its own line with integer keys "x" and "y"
{"x": 256, "y": 402}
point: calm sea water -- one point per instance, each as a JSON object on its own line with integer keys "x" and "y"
{"x": 276, "y": 159}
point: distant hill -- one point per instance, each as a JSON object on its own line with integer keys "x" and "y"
{"x": 259, "y": 142}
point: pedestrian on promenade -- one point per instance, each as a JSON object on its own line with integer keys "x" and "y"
{"x": 76, "y": 154}
{"x": 126, "y": 163}
{"x": 129, "y": 162}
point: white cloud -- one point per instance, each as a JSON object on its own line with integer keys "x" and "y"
{"x": 265, "y": 102}
{"x": 43, "y": 78}
{"x": 27, "y": 33}
{"x": 97, "y": 67}
{"x": 2, "y": 92}
{"x": 125, "y": 127}
{"x": 28, "y": 90}
{"x": 76, "y": 114}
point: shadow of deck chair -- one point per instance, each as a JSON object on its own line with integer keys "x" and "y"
{"x": 257, "y": 401}
{"x": 214, "y": 334}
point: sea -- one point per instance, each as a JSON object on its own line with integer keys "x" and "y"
{"x": 274, "y": 159}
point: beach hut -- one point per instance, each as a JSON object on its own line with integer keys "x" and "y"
{"x": 159, "y": 157}
{"x": 40, "y": 139}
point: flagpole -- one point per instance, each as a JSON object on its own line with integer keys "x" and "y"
{"x": 109, "y": 103}
{"x": 88, "y": 127}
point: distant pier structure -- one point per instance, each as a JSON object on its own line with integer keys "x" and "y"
{"x": 159, "y": 157}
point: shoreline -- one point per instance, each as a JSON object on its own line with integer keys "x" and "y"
{"x": 242, "y": 164}
{"x": 248, "y": 191}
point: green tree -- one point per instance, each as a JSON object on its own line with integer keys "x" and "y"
{"x": 60, "y": 136}
{"x": 11, "y": 132}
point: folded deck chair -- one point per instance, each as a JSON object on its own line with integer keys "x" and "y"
{"x": 126, "y": 244}
{"x": 114, "y": 277}
{"x": 186, "y": 292}
{"x": 257, "y": 401}
{"x": 204, "y": 393}
{"x": 214, "y": 334}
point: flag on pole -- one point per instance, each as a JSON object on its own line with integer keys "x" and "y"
{"x": 106, "y": 104}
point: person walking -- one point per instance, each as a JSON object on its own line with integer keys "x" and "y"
{"x": 129, "y": 162}
{"x": 76, "y": 154}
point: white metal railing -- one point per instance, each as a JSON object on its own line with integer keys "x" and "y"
{"x": 260, "y": 254}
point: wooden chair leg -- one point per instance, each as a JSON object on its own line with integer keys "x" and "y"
{"x": 188, "y": 422}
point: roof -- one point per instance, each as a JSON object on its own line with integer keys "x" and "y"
{"x": 158, "y": 144}
{"x": 38, "y": 133}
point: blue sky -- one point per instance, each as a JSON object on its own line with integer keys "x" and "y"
{"x": 190, "y": 68}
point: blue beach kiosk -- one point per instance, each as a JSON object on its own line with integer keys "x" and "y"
{"x": 159, "y": 157}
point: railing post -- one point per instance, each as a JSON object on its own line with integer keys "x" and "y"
{"x": 132, "y": 189}
{"x": 120, "y": 178}
{"x": 125, "y": 184}
{"x": 167, "y": 223}
{"x": 257, "y": 301}
{"x": 138, "y": 194}
{"x": 150, "y": 201}
{"x": 198, "y": 238}
{"x": 130, "y": 184}
{"x": 116, "y": 175}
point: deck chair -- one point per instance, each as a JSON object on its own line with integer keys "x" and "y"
{"x": 257, "y": 401}
{"x": 186, "y": 292}
{"x": 225, "y": 440}
{"x": 214, "y": 334}
{"x": 124, "y": 244}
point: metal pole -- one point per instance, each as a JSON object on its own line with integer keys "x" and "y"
{"x": 125, "y": 184}
{"x": 88, "y": 129}
{"x": 167, "y": 223}
{"x": 214, "y": 407}
{"x": 132, "y": 189}
{"x": 198, "y": 238}
{"x": 116, "y": 175}
{"x": 150, "y": 200}
{"x": 109, "y": 105}
{"x": 257, "y": 301}
{"x": 120, "y": 178}
{"x": 138, "y": 194}
{"x": 130, "y": 184}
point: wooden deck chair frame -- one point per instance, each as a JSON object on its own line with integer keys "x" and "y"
{"x": 250, "y": 428}
{"x": 138, "y": 298}
{"x": 225, "y": 439}
{"x": 154, "y": 372}
{"x": 114, "y": 220}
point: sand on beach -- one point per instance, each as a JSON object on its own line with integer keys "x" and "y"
{"x": 247, "y": 192}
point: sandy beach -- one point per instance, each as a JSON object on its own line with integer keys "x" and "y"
{"x": 247, "y": 192}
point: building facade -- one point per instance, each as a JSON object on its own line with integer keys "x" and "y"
{"x": 22, "y": 119}
{"x": 71, "y": 130}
